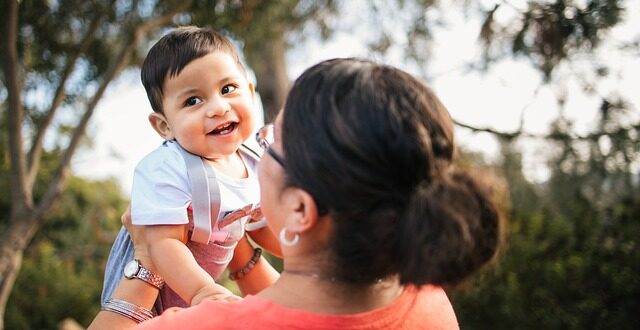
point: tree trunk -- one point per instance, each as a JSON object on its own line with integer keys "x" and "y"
{"x": 14, "y": 241}
{"x": 268, "y": 62}
{"x": 25, "y": 219}
{"x": 10, "y": 266}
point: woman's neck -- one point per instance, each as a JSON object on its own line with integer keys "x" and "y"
{"x": 313, "y": 292}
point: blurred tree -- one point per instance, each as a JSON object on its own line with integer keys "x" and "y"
{"x": 549, "y": 32}
{"x": 565, "y": 41}
{"x": 63, "y": 75}
{"x": 58, "y": 59}
{"x": 572, "y": 255}
{"x": 572, "y": 261}
{"x": 61, "y": 276}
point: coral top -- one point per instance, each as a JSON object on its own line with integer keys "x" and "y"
{"x": 426, "y": 308}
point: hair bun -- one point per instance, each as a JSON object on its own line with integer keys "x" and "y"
{"x": 451, "y": 228}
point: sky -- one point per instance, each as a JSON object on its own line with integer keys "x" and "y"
{"x": 497, "y": 99}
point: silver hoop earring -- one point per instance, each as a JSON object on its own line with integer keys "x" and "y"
{"x": 285, "y": 241}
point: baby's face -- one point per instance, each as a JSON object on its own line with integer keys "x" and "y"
{"x": 209, "y": 106}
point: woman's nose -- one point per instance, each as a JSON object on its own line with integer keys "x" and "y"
{"x": 218, "y": 107}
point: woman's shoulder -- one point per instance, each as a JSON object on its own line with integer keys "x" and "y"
{"x": 427, "y": 307}
{"x": 432, "y": 306}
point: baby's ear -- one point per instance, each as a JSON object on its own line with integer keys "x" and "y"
{"x": 160, "y": 124}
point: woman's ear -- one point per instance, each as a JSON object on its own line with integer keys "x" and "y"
{"x": 303, "y": 211}
{"x": 160, "y": 124}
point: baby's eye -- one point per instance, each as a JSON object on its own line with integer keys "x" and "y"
{"x": 192, "y": 101}
{"x": 228, "y": 89}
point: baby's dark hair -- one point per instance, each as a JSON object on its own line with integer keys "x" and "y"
{"x": 174, "y": 51}
{"x": 374, "y": 146}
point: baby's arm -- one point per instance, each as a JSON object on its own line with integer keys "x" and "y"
{"x": 265, "y": 238}
{"x": 179, "y": 268}
{"x": 261, "y": 275}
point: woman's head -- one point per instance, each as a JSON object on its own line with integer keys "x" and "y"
{"x": 373, "y": 146}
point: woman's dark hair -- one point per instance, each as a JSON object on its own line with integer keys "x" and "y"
{"x": 174, "y": 52}
{"x": 374, "y": 146}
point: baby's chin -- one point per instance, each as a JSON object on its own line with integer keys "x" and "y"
{"x": 221, "y": 153}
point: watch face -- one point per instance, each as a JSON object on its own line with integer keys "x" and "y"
{"x": 131, "y": 268}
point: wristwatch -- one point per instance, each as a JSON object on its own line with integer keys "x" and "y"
{"x": 133, "y": 269}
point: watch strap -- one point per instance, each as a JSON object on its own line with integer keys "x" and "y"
{"x": 149, "y": 277}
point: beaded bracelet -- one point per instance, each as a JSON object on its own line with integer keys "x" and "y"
{"x": 127, "y": 309}
{"x": 257, "y": 252}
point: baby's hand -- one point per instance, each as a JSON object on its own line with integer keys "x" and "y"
{"x": 214, "y": 292}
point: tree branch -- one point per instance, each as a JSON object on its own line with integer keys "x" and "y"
{"x": 62, "y": 171}
{"x": 161, "y": 20}
{"x": 33, "y": 160}
{"x": 21, "y": 197}
{"x": 500, "y": 134}
{"x": 554, "y": 136}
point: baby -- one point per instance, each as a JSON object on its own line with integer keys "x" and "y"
{"x": 202, "y": 103}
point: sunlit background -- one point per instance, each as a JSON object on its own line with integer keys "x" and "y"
{"x": 543, "y": 92}
{"x": 509, "y": 94}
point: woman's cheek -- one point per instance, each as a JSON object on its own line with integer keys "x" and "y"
{"x": 268, "y": 191}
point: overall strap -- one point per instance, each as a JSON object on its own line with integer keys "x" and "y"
{"x": 251, "y": 153}
{"x": 205, "y": 197}
{"x": 214, "y": 199}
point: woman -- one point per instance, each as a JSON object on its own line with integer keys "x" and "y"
{"x": 371, "y": 217}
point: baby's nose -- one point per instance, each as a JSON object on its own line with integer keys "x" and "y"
{"x": 218, "y": 107}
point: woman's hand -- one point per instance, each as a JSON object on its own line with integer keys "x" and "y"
{"x": 140, "y": 245}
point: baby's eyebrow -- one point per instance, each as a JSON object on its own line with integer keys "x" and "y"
{"x": 186, "y": 92}
{"x": 229, "y": 78}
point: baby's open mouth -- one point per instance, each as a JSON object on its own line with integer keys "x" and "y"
{"x": 225, "y": 128}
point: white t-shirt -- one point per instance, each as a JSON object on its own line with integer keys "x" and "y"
{"x": 161, "y": 190}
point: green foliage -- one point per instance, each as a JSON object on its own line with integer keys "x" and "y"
{"x": 5, "y": 200}
{"x": 258, "y": 22}
{"x": 572, "y": 260}
{"x": 48, "y": 59}
{"x": 62, "y": 270}
{"x": 51, "y": 288}
{"x": 561, "y": 274}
